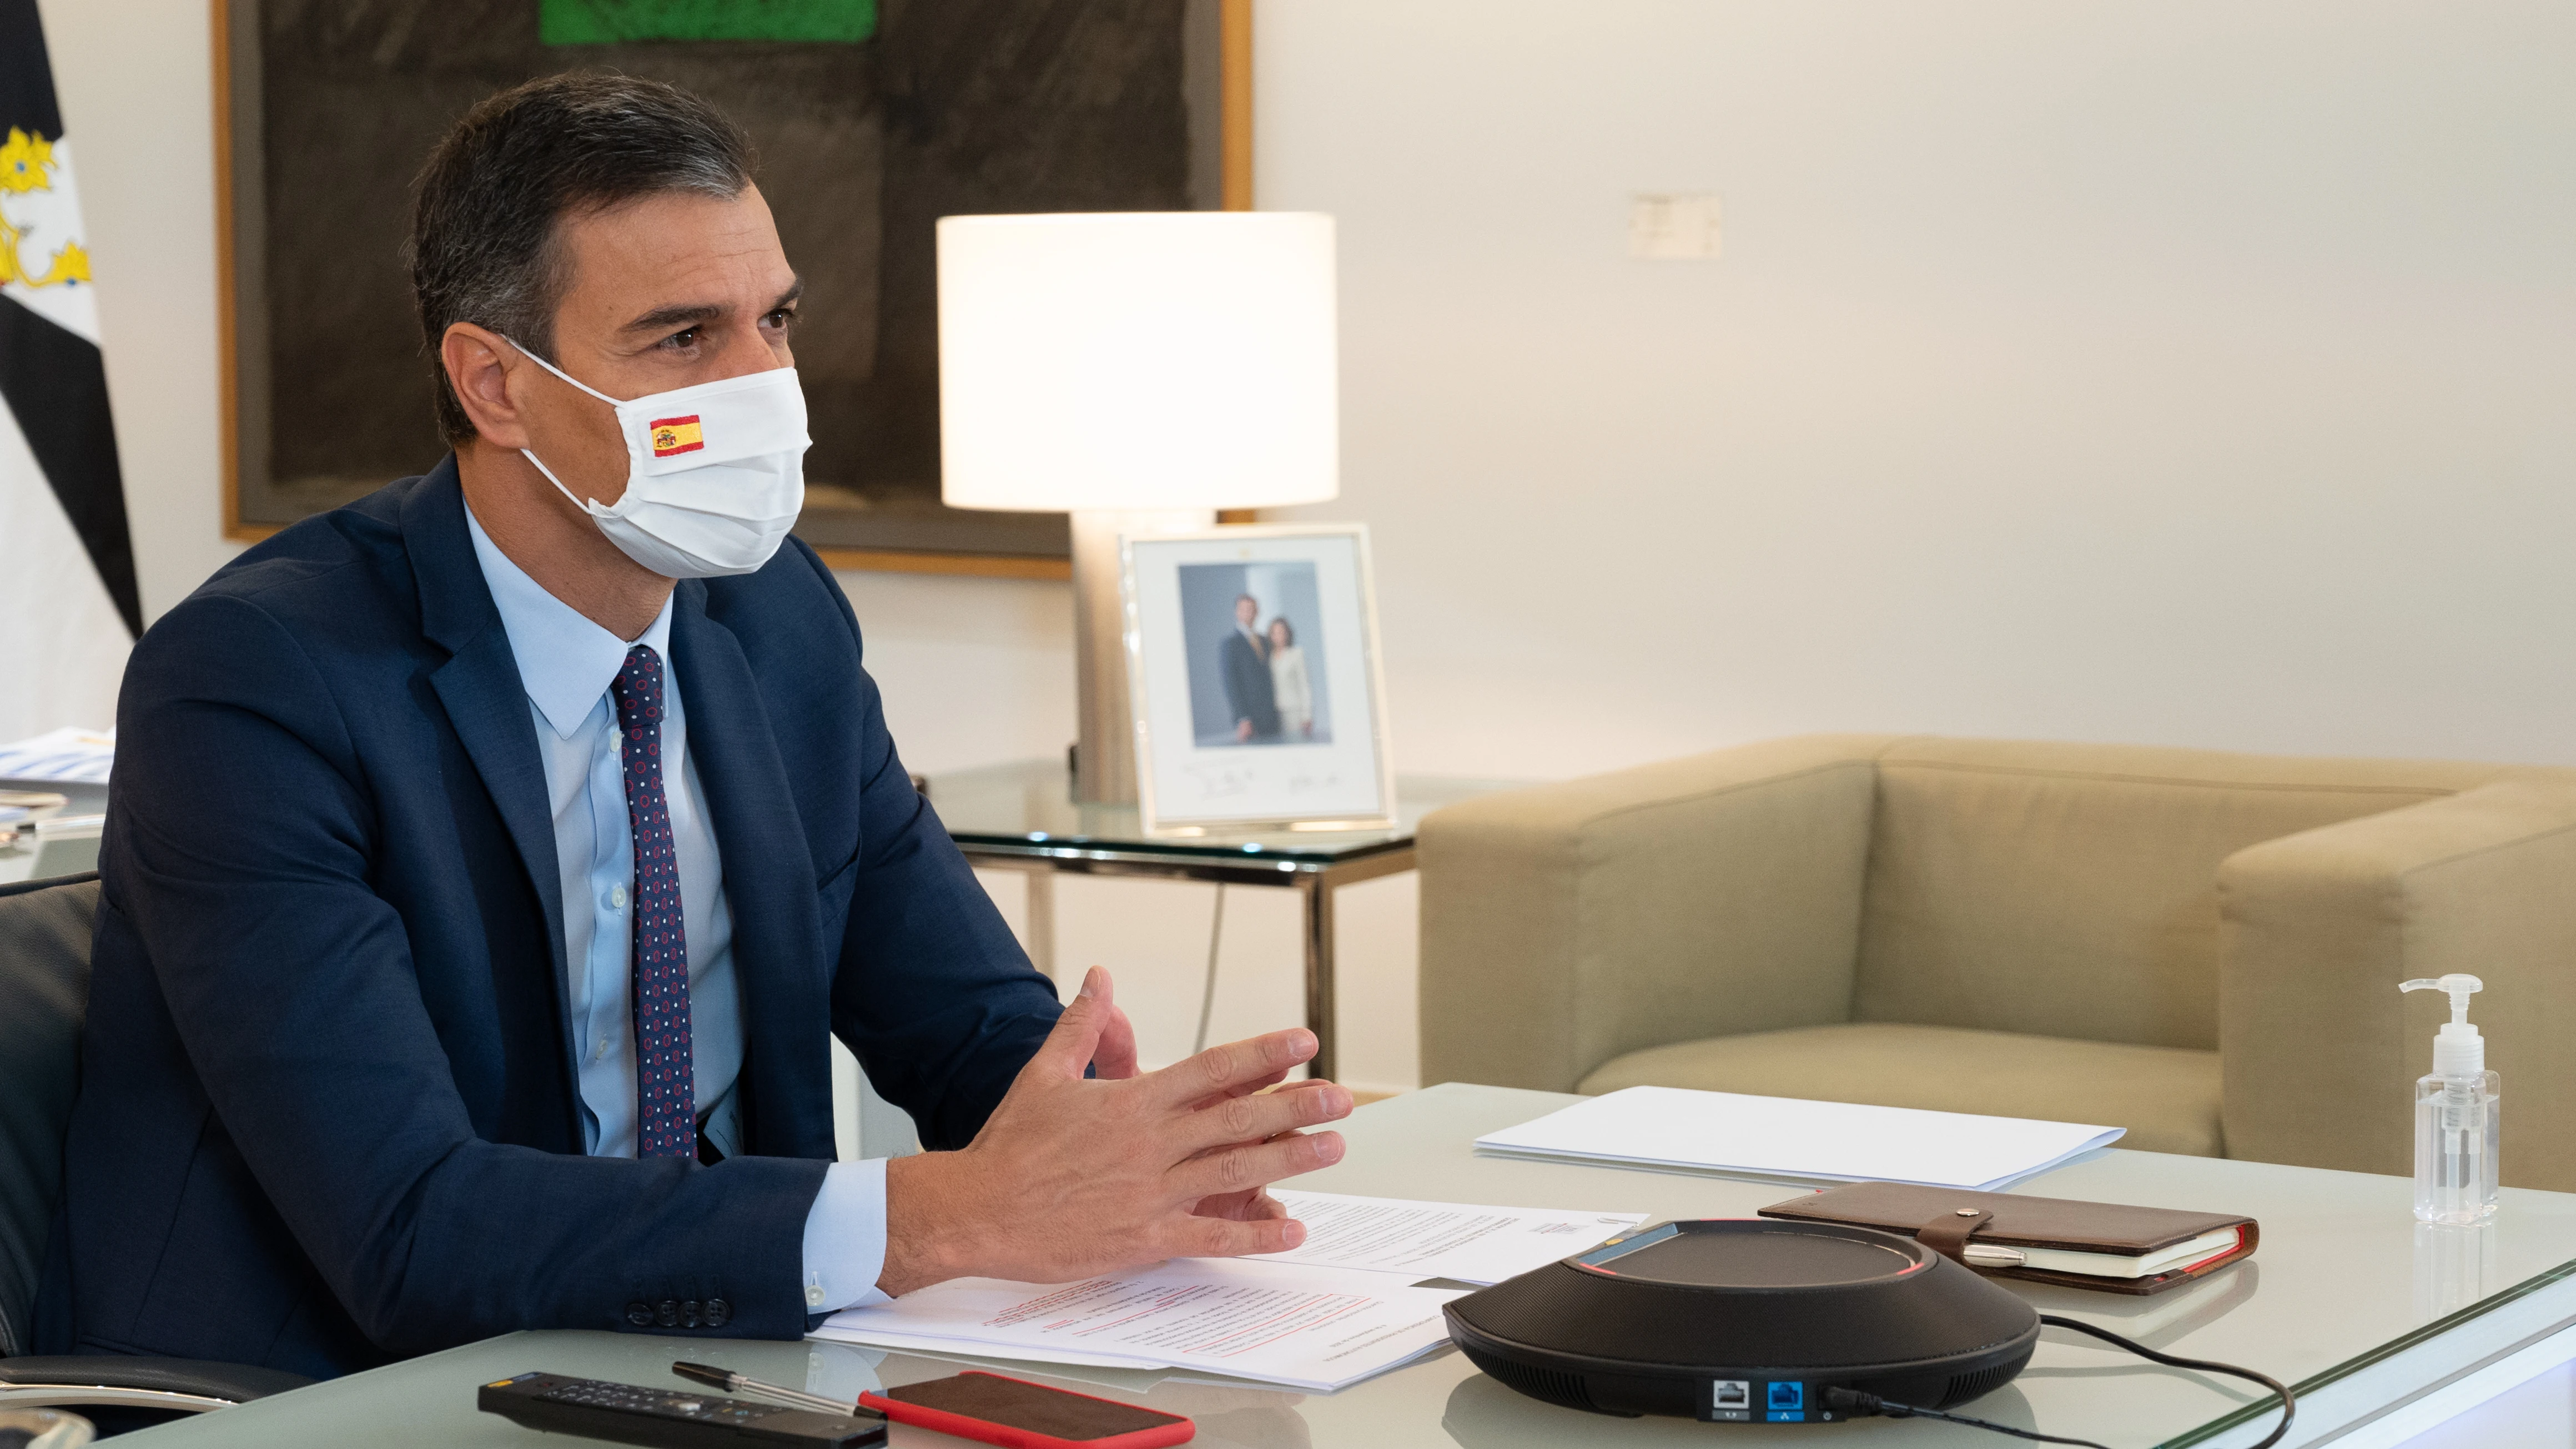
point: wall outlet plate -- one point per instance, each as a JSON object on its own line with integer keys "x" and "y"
{"x": 1673, "y": 226}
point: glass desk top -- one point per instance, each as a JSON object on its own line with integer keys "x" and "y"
{"x": 1027, "y": 808}
{"x": 2348, "y": 1299}
{"x": 18, "y": 860}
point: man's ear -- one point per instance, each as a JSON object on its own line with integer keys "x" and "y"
{"x": 479, "y": 367}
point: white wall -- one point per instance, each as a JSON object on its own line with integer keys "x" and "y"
{"x": 136, "y": 83}
{"x": 2183, "y": 371}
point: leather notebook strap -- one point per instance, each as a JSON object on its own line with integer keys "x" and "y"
{"x": 1948, "y": 1234}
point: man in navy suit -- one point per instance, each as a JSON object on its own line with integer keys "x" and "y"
{"x": 488, "y": 860}
{"x": 1250, "y": 694}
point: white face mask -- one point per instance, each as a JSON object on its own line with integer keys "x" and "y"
{"x": 715, "y": 473}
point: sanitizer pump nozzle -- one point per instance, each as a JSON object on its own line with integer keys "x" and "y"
{"x": 2458, "y": 1115}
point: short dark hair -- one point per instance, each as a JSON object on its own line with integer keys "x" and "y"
{"x": 494, "y": 194}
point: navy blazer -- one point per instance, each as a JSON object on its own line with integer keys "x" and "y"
{"x": 328, "y": 1114}
{"x": 1249, "y": 691}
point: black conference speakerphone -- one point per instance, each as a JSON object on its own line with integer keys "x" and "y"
{"x": 1747, "y": 1321}
{"x": 627, "y": 1414}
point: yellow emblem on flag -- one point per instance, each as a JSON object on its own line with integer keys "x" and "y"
{"x": 26, "y": 162}
{"x": 27, "y": 165}
{"x": 674, "y": 436}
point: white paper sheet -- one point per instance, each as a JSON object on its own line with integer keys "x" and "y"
{"x": 1722, "y": 1132}
{"x": 931, "y": 1343}
{"x": 1308, "y": 1328}
{"x": 64, "y": 756}
{"x": 1453, "y": 1240}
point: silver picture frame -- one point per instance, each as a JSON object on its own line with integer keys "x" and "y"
{"x": 1330, "y": 771}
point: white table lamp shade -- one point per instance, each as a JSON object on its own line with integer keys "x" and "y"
{"x": 1137, "y": 360}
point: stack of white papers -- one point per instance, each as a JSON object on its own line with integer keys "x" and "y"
{"x": 1305, "y": 1328}
{"x": 1672, "y": 1129}
{"x": 1479, "y": 1245}
{"x": 1339, "y": 1308}
{"x": 65, "y": 756}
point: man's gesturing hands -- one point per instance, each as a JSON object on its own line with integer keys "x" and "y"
{"x": 1074, "y": 1176}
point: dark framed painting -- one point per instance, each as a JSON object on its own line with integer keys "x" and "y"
{"x": 873, "y": 119}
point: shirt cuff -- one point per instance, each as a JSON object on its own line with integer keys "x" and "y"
{"x": 845, "y": 1238}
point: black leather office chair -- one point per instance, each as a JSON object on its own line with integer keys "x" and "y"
{"x": 45, "y": 928}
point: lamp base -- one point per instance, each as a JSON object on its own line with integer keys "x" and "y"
{"x": 1104, "y": 759}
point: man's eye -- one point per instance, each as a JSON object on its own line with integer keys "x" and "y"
{"x": 685, "y": 337}
{"x": 781, "y": 319}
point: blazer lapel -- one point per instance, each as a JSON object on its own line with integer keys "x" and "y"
{"x": 487, "y": 705}
{"x": 768, "y": 880}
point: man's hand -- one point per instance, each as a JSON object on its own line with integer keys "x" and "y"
{"x": 1113, "y": 1056}
{"x": 1242, "y": 729}
{"x": 1076, "y": 1176}
{"x": 1114, "y": 1060}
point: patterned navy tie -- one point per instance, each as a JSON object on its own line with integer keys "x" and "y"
{"x": 666, "y": 1092}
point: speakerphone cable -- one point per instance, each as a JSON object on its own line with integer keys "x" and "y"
{"x": 1860, "y": 1405}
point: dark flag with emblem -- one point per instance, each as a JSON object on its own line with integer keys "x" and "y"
{"x": 68, "y": 606}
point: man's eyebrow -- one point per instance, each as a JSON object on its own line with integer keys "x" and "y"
{"x": 671, "y": 319}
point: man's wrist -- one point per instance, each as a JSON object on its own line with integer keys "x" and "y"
{"x": 922, "y": 1234}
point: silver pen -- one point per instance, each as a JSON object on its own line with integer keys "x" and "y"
{"x": 734, "y": 1383}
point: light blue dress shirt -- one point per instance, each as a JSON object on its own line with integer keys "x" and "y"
{"x": 566, "y": 663}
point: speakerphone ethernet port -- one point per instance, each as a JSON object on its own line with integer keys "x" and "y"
{"x": 1788, "y": 1396}
{"x": 1733, "y": 1394}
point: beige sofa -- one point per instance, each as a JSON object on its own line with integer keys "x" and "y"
{"x": 2203, "y": 948}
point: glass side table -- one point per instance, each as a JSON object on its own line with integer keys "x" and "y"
{"x": 1022, "y": 816}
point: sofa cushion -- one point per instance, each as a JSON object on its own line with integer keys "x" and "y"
{"x": 2166, "y": 1096}
{"x": 2072, "y": 890}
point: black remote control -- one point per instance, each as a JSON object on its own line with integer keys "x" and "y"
{"x": 627, "y": 1414}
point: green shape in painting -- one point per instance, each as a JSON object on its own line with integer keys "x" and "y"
{"x": 607, "y": 22}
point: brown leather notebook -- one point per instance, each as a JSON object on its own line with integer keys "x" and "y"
{"x": 2004, "y": 1235}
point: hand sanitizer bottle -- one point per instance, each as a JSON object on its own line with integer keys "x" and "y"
{"x": 2458, "y": 1115}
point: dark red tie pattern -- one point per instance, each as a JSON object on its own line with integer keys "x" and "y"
{"x": 666, "y": 1093}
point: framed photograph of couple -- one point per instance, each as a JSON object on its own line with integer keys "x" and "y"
{"x": 1252, "y": 659}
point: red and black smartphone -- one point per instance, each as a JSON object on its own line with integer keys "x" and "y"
{"x": 1017, "y": 1414}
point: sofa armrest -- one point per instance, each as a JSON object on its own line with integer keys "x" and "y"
{"x": 2319, "y": 1050}
{"x": 1567, "y": 924}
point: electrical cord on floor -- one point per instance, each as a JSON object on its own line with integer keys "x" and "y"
{"x": 1207, "y": 995}
{"x": 1861, "y": 1405}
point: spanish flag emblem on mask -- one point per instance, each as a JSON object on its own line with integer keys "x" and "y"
{"x": 674, "y": 436}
